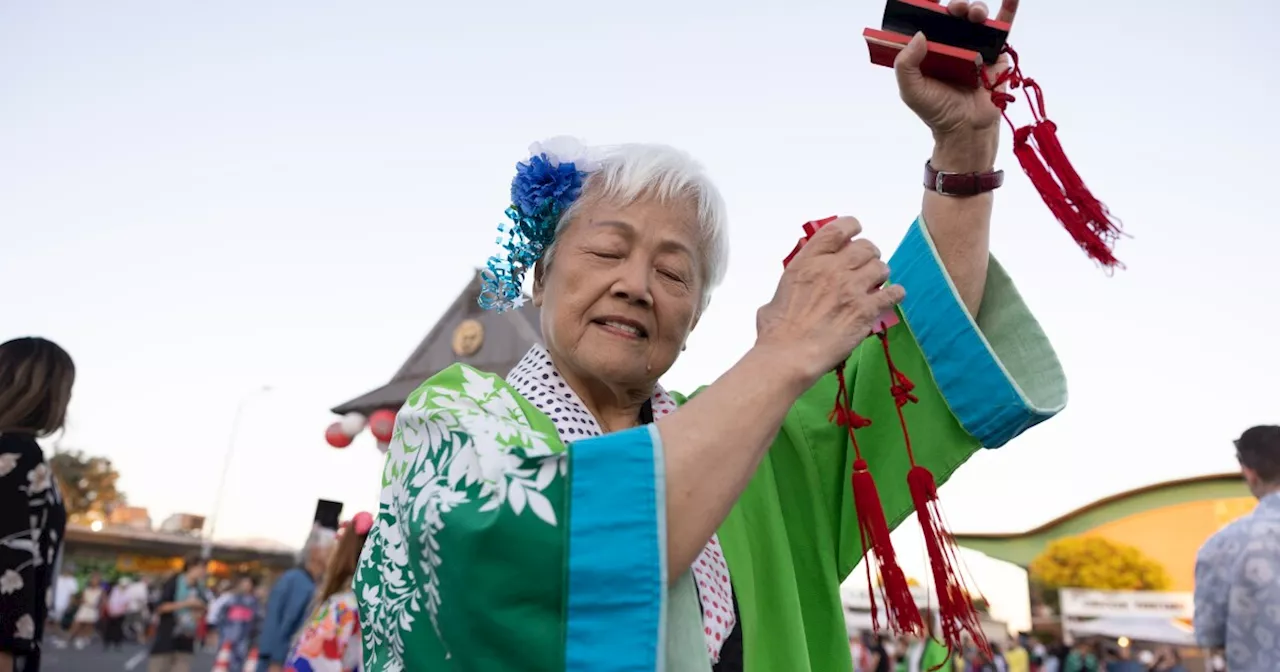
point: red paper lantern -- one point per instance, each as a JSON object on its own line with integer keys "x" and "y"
{"x": 381, "y": 424}
{"x": 336, "y": 437}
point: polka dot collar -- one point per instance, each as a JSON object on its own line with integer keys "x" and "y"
{"x": 537, "y": 380}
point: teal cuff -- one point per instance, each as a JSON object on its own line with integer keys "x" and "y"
{"x": 998, "y": 373}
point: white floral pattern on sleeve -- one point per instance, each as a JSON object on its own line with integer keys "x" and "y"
{"x": 445, "y": 442}
{"x": 31, "y": 527}
{"x": 537, "y": 380}
{"x": 8, "y": 462}
{"x": 10, "y": 582}
{"x": 26, "y": 627}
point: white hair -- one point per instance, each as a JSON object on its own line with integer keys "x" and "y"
{"x": 627, "y": 172}
{"x": 321, "y": 539}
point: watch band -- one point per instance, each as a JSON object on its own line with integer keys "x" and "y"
{"x": 961, "y": 184}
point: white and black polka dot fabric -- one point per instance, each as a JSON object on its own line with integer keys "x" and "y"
{"x": 537, "y": 380}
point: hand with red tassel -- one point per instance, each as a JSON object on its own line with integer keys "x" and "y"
{"x": 965, "y": 124}
{"x": 957, "y": 613}
{"x": 889, "y": 581}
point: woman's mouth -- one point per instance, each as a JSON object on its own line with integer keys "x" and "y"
{"x": 622, "y": 327}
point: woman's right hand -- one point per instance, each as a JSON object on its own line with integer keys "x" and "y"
{"x": 827, "y": 301}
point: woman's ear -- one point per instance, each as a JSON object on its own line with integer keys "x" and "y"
{"x": 539, "y": 273}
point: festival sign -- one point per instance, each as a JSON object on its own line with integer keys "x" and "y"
{"x": 1079, "y": 603}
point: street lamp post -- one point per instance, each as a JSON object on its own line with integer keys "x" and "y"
{"x": 206, "y": 550}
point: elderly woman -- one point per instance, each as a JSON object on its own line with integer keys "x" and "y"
{"x": 577, "y": 516}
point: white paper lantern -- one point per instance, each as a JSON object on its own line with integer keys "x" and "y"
{"x": 353, "y": 423}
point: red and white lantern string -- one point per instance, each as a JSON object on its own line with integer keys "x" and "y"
{"x": 336, "y": 437}
{"x": 381, "y": 425}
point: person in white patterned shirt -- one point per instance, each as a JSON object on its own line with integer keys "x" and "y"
{"x": 1238, "y": 569}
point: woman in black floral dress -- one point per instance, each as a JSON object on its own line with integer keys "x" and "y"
{"x": 35, "y": 387}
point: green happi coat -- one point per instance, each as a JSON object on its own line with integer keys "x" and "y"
{"x": 497, "y": 547}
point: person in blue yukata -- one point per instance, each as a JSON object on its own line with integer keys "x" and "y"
{"x": 290, "y": 602}
{"x": 1238, "y": 569}
{"x": 238, "y": 620}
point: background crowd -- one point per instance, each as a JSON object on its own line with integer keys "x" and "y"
{"x": 304, "y": 622}
{"x": 879, "y": 653}
{"x": 251, "y": 626}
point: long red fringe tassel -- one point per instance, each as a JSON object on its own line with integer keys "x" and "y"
{"x": 1087, "y": 219}
{"x": 873, "y": 530}
{"x": 956, "y": 611}
{"x": 900, "y": 608}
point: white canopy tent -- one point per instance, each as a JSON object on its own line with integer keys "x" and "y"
{"x": 1152, "y": 629}
{"x": 1143, "y": 616}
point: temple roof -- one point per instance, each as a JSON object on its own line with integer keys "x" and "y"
{"x": 504, "y": 340}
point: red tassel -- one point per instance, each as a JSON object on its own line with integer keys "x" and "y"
{"x": 873, "y": 529}
{"x": 900, "y": 608}
{"x": 956, "y": 610}
{"x": 1054, "y": 197}
{"x": 1094, "y": 211}
{"x": 1086, "y": 218}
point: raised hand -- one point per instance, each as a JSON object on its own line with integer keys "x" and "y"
{"x": 954, "y": 114}
{"x": 827, "y": 300}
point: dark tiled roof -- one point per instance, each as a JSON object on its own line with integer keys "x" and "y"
{"x": 507, "y": 337}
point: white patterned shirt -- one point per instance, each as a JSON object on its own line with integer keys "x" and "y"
{"x": 1238, "y": 590}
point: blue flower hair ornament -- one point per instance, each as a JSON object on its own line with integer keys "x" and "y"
{"x": 545, "y": 186}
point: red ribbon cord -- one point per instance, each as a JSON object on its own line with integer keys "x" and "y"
{"x": 956, "y": 611}
{"x": 1042, "y": 158}
{"x": 873, "y": 529}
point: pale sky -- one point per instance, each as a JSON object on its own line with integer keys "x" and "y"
{"x": 197, "y": 199}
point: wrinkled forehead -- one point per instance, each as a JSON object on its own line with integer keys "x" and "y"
{"x": 672, "y": 219}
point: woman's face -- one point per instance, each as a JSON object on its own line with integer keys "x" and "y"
{"x": 622, "y": 290}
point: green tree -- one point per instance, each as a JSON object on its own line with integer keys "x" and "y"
{"x": 88, "y": 485}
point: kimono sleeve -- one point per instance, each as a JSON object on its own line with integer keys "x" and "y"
{"x": 792, "y": 538}
{"x": 981, "y": 381}
{"x": 20, "y": 593}
{"x": 496, "y": 547}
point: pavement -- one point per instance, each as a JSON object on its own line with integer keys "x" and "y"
{"x": 131, "y": 658}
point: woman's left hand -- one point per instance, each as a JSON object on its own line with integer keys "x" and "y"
{"x": 950, "y": 111}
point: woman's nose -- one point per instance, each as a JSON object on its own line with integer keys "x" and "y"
{"x": 632, "y": 284}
